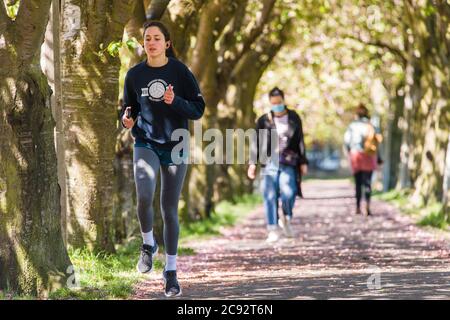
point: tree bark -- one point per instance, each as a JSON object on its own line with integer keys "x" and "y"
{"x": 393, "y": 139}
{"x": 412, "y": 97}
{"x": 33, "y": 259}
{"x": 90, "y": 85}
{"x": 51, "y": 66}
{"x": 430, "y": 30}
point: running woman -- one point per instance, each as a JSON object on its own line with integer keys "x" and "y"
{"x": 160, "y": 95}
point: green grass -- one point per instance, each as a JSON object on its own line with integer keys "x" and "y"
{"x": 108, "y": 276}
{"x": 400, "y": 198}
{"x": 104, "y": 276}
{"x": 4, "y": 296}
{"x": 113, "y": 276}
{"x": 434, "y": 216}
{"x": 431, "y": 215}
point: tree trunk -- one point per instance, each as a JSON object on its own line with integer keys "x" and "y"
{"x": 125, "y": 218}
{"x": 51, "y": 66}
{"x": 430, "y": 31}
{"x": 446, "y": 185}
{"x": 412, "y": 98}
{"x": 33, "y": 259}
{"x": 200, "y": 177}
{"x": 393, "y": 141}
{"x": 90, "y": 86}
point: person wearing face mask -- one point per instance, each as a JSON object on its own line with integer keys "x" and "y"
{"x": 281, "y": 179}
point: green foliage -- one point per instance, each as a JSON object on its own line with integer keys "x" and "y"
{"x": 435, "y": 217}
{"x": 428, "y": 10}
{"x": 12, "y": 8}
{"x": 432, "y": 214}
{"x": 333, "y": 63}
{"x": 113, "y": 48}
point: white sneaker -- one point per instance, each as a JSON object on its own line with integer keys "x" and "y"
{"x": 273, "y": 236}
{"x": 288, "y": 229}
{"x": 282, "y": 221}
{"x": 285, "y": 225}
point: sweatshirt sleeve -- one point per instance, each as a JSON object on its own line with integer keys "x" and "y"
{"x": 129, "y": 99}
{"x": 191, "y": 105}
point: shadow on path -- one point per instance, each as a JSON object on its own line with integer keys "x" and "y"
{"x": 332, "y": 256}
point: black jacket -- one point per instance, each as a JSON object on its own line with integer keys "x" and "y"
{"x": 295, "y": 141}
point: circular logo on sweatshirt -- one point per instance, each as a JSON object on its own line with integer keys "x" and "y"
{"x": 156, "y": 90}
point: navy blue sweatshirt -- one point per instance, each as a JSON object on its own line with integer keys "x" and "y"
{"x": 144, "y": 93}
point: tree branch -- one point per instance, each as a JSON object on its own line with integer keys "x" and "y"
{"x": 228, "y": 40}
{"x": 266, "y": 48}
{"x": 133, "y": 27}
{"x": 380, "y": 44}
{"x": 156, "y": 9}
{"x": 236, "y": 54}
{"x": 121, "y": 13}
{"x": 205, "y": 38}
{"x": 229, "y": 9}
{"x": 180, "y": 18}
{"x": 30, "y": 25}
{"x": 256, "y": 31}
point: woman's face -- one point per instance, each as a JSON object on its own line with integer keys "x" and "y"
{"x": 276, "y": 100}
{"x": 154, "y": 42}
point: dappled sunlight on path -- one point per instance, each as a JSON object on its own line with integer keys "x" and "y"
{"x": 332, "y": 255}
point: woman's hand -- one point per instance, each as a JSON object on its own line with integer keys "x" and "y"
{"x": 304, "y": 169}
{"x": 169, "y": 95}
{"x": 128, "y": 122}
{"x": 251, "y": 172}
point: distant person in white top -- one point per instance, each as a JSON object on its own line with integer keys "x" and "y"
{"x": 282, "y": 181}
{"x": 362, "y": 144}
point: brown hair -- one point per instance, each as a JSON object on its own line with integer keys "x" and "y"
{"x": 153, "y": 23}
{"x": 361, "y": 111}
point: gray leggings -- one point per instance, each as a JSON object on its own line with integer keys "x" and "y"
{"x": 146, "y": 167}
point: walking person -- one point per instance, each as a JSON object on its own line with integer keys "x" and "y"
{"x": 362, "y": 144}
{"x": 160, "y": 96}
{"x": 281, "y": 180}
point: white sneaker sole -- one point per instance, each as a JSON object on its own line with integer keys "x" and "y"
{"x": 153, "y": 255}
{"x": 171, "y": 295}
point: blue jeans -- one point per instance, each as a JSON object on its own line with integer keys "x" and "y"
{"x": 278, "y": 182}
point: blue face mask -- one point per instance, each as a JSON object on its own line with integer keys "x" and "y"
{"x": 278, "y": 108}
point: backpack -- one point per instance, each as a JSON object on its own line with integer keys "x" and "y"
{"x": 372, "y": 141}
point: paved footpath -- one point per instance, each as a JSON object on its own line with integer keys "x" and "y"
{"x": 335, "y": 255}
